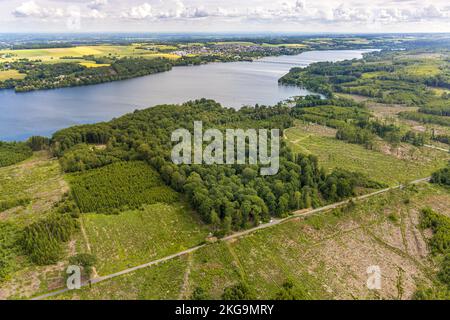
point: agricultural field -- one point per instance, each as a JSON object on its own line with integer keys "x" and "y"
{"x": 324, "y": 256}
{"x": 53, "y": 55}
{"x": 119, "y": 186}
{"x": 388, "y": 166}
{"x": 11, "y": 74}
{"x": 138, "y": 236}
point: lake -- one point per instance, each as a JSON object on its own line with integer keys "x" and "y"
{"x": 232, "y": 84}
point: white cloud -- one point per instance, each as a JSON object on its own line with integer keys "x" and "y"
{"x": 142, "y": 11}
{"x": 351, "y": 14}
{"x": 32, "y": 9}
{"x": 95, "y": 14}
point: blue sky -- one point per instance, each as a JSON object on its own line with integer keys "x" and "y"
{"x": 224, "y": 16}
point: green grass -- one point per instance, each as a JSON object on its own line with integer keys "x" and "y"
{"x": 136, "y": 237}
{"x": 119, "y": 185}
{"x": 376, "y": 165}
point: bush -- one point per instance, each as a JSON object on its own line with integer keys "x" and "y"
{"x": 239, "y": 291}
{"x": 440, "y": 225}
{"x": 199, "y": 294}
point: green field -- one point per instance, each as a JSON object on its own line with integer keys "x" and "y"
{"x": 325, "y": 256}
{"x": 136, "y": 237}
{"x": 117, "y": 186}
{"x": 387, "y": 168}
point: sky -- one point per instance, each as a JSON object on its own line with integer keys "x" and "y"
{"x": 300, "y": 16}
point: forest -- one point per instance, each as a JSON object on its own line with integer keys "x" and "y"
{"x": 228, "y": 197}
{"x": 59, "y": 75}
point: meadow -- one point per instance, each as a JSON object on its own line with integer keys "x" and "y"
{"x": 419, "y": 162}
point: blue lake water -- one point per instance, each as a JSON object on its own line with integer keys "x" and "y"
{"x": 232, "y": 84}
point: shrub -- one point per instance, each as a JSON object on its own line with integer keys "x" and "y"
{"x": 239, "y": 291}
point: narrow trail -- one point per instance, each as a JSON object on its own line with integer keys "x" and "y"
{"x": 436, "y": 148}
{"x": 88, "y": 247}
{"x": 274, "y": 222}
{"x": 185, "y": 287}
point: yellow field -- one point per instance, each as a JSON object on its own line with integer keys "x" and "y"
{"x": 89, "y": 64}
{"x": 54, "y": 55}
{"x": 11, "y": 74}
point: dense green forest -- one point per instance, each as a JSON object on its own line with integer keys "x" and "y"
{"x": 226, "y": 196}
{"x": 58, "y": 75}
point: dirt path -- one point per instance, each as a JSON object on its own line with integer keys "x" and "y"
{"x": 184, "y": 292}
{"x": 88, "y": 247}
{"x": 436, "y": 148}
{"x": 298, "y": 214}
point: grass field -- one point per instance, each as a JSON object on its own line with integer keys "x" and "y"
{"x": 387, "y": 168}
{"x": 325, "y": 256}
{"x": 11, "y": 74}
{"x": 135, "y": 237}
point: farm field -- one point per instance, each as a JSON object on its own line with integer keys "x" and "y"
{"x": 388, "y": 168}
{"x": 53, "y": 55}
{"x": 11, "y": 74}
{"x": 139, "y": 236}
{"x": 325, "y": 256}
